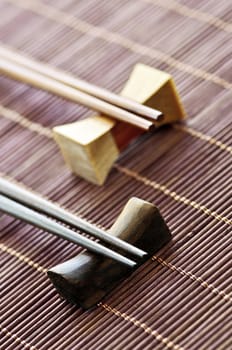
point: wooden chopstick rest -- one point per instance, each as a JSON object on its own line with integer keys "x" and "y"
{"x": 84, "y": 280}
{"x": 91, "y": 146}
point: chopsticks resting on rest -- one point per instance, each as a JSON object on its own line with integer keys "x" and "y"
{"x": 23, "y": 204}
{"x": 62, "y": 84}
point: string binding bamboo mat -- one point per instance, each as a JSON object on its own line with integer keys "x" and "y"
{"x": 181, "y": 298}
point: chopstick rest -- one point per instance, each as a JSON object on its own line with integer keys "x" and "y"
{"x": 87, "y": 278}
{"x": 91, "y": 146}
{"x": 138, "y": 232}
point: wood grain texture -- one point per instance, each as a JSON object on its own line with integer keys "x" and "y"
{"x": 91, "y": 146}
{"x": 88, "y": 147}
{"x": 86, "y": 279}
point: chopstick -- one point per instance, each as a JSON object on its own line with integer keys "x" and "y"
{"x": 41, "y": 81}
{"x": 38, "y": 80}
{"x": 90, "y": 89}
{"x": 19, "y": 211}
{"x": 34, "y": 201}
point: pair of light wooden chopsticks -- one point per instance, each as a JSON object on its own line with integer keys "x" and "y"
{"x": 62, "y": 84}
{"x": 28, "y": 206}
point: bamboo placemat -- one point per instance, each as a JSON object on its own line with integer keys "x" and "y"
{"x": 181, "y": 298}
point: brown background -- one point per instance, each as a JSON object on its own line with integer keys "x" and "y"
{"x": 181, "y": 299}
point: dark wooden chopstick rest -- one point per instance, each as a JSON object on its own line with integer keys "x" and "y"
{"x": 84, "y": 280}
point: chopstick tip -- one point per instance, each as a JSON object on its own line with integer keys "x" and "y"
{"x": 160, "y": 117}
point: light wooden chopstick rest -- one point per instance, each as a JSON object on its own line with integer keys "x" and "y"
{"x": 91, "y": 146}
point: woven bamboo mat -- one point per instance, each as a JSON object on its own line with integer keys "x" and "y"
{"x": 181, "y": 298}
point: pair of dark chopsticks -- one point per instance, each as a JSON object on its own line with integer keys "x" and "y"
{"x": 62, "y": 84}
{"x": 28, "y": 206}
